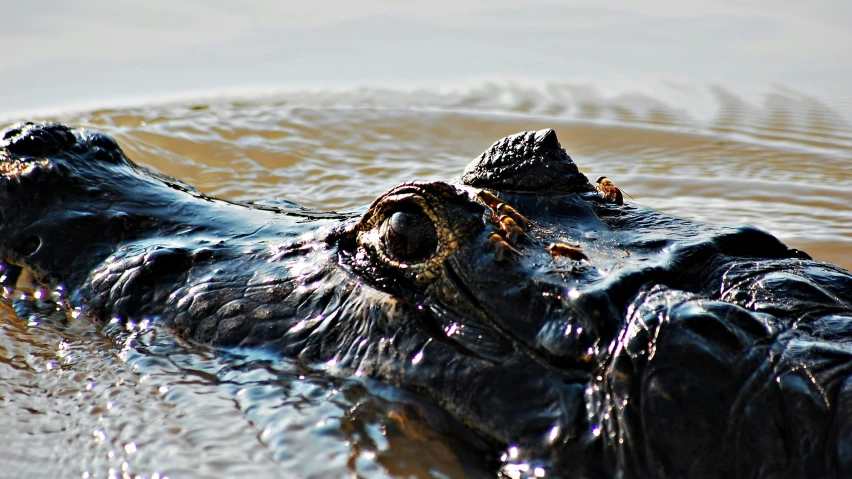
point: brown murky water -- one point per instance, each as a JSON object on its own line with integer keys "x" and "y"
{"x": 725, "y": 112}
{"x": 79, "y": 400}
{"x": 785, "y": 170}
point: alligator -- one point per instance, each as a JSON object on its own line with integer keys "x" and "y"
{"x": 598, "y": 338}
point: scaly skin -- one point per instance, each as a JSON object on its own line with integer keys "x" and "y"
{"x": 678, "y": 349}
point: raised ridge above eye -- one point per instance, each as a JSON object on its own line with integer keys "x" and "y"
{"x": 530, "y": 161}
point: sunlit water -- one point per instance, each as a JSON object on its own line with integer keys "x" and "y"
{"x": 82, "y": 400}
{"x": 724, "y": 112}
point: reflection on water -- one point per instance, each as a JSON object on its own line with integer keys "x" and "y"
{"x": 81, "y": 401}
{"x": 86, "y": 400}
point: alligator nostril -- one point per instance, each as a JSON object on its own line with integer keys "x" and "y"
{"x": 30, "y": 245}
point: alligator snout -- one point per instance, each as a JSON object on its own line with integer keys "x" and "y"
{"x": 69, "y": 197}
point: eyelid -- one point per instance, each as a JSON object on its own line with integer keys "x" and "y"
{"x": 398, "y": 198}
{"x": 394, "y": 204}
{"x": 408, "y": 201}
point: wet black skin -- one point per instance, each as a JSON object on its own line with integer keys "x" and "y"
{"x": 678, "y": 350}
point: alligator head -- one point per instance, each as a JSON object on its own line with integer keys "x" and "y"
{"x": 604, "y": 339}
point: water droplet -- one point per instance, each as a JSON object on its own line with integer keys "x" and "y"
{"x": 452, "y": 329}
{"x": 554, "y": 432}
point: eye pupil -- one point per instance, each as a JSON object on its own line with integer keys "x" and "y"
{"x": 411, "y": 236}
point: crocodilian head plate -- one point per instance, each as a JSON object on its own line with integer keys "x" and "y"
{"x": 531, "y": 161}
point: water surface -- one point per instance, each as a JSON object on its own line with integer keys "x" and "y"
{"x": 725, "y": 112}
{"x": 80, "y": 399}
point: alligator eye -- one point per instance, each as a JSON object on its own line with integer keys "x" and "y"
{"x": 410, "y": 235}
{"x": 30, "y": 245}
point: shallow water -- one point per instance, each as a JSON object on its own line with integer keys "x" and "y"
{"x": 80, "y": 399}
{"x": 725, "y": 112}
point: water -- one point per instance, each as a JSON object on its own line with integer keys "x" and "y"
{"x": 783, "y": 168}
{"x": 81, "y": 399}
{"x": 729, "y": 113}
{"x": 85, "y": 401}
